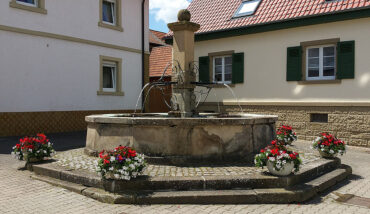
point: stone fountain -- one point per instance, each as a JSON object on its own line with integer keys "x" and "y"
{"x": 183, "y": 134}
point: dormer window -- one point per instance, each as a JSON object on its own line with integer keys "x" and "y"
{"x": 247, "y": 8}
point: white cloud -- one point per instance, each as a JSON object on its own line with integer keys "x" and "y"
{"x": 166, "y": 10}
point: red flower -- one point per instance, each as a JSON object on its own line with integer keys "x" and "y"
{"x": 101, "y": 154}
{"x": 106, "y": 161}
{"x": 292, "y": 156}
{"x": 275, "y": 151}
{"x": 120, "y": 158}
{"x": 131, "y": 153}
{"x": 18, "y": 146}
{"x": 274, "y": 142}
{"x": 262, "y": 151}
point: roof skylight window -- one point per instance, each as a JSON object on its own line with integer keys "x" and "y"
{"x": 247, "y": 8}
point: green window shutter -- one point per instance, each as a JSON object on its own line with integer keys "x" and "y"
{"x": 346, "y": 60}
{"x": 204, "y": 69}
{"x": 238, "y": 68}
{"x": 294, "y": 64}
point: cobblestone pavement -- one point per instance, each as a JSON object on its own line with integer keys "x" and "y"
{"x": 21, "y": 194}
{"x": 77, "y": 160}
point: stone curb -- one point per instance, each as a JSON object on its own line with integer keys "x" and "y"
{"x": 308, "y": 172}
{"x": 295, "y": 194}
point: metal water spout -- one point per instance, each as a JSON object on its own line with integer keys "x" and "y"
{"x": 183, "y": 97}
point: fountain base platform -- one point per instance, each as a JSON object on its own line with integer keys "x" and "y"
{"x": 208, "y": 137}
{"x": 236, "y": 183}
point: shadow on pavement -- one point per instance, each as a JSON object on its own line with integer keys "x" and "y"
{"x": 61, "y": 141}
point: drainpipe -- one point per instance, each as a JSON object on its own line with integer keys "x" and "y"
{"x": 143, "y": 51}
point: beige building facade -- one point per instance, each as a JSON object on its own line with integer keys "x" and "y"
{"x": 332, "y": 92}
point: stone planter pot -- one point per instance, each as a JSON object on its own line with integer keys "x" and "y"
{"x": 30, "y": 159}
{"x": 326, "y": 155}
{"x": 112, "y": 177}
{"x": 286, "y": 170}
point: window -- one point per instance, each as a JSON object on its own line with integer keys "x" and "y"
{"x": 110, "y": 14}
{"x": 110, "y": 76}
{"x": 319, "y": 118}
{"x": 32, "y": 3}
{"x": 109, "y": 11}
{"x": 320, "y": 63}
{"x": 37, "y": 6}
{"x": 247, "y": 8}
{"x": 222, "y": 69}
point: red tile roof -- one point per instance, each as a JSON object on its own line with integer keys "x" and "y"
{"x": 159, "y": 59}
{"x": 156, "y": 37}
{"x": 214, "y": 15}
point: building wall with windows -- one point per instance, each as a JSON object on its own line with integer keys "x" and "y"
{"x": 263, "y": 85}
{"x": 51, "y": 67}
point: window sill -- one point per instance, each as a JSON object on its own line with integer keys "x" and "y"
{"x": 29, "y": 8}
{"x": 106, "y": 93}
{"x": 112, "y": 27}
{"x": 312, "y": 82}
{"x": 222, "y": 86}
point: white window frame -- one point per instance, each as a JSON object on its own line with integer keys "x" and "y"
{"x": 28, "y": 4}
{"x": 113, "y": 66}
{"x": 223, "y": 68}
{"x": 321, "y": 63}
{"x": 238, "y": 14}
{"x": 114, "y": 9}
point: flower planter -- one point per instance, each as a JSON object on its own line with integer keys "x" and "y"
{"x": 326, "y": 155}
{"x": 30, "y": 159}
{"x": 284, "y": 171}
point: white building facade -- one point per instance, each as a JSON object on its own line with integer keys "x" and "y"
{"x": 63, "y": 60}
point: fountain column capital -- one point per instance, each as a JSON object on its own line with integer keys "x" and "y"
{"x": 183, "y": 26}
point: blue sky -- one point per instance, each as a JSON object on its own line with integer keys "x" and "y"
{"x": 162, "y": 12}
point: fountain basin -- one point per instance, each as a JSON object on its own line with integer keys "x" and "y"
{"x": 207, "y": 137}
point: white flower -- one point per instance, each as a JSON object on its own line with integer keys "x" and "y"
{"x": 322, "y": 146}
{"x": 331, "y": 151}
{"x": 322, "y": 149}
{"x": 127, "y": 178}
{"x": 128, "y": 160}
{"x": 111, "y": 168}
{"x": 124, "y": 168}
{"x": 116, "y": 176}
{"x": 271, "y": 159}
{"x": 132, "y": 166}
{"x": 112, "y": 158}
{"x": 284, "y": 162}
{"x": 45, "y": 151}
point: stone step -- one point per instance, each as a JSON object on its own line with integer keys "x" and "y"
{"x": 295, "y": 194}
{"x": 254, "y": 181}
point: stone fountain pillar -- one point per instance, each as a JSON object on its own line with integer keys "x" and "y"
{"x": 183, "y": 97}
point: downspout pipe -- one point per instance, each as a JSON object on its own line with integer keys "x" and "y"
{"x": 143, "y": 51}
